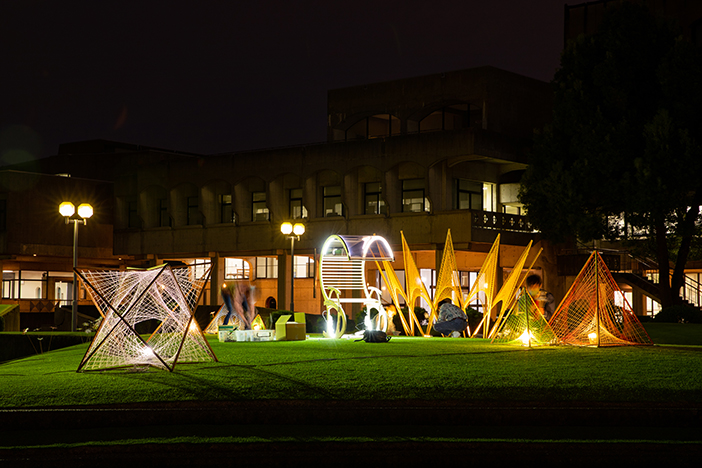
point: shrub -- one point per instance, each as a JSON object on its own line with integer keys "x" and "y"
{"x": 679, "y": 314}
{"x": 474, "y": 317}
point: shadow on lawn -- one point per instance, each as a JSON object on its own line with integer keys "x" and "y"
{"x": 185, "y": 380}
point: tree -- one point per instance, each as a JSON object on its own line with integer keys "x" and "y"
{"x": 622, "y": 156}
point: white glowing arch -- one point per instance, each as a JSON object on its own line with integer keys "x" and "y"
{"x": 342, "y": 271}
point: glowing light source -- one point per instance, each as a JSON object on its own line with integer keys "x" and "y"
{"x": 526, "y": 337}
{"x": 85, "y": 210}
{"x": 67, "y": 209}
{"x": 592, "y": 337}
{"x": 293, "y": 233}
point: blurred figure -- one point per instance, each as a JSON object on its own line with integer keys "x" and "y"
{"x": 227, "y": 298}
{"x": 244, "y": 304}
{"x": 544, "y": 300}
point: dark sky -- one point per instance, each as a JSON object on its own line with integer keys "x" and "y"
{"x": 218, "y": 76}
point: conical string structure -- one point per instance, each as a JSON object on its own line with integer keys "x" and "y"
{"x": 448, "y": 284}
{"x": 415, "y": 287}
{"x": 162, "y": 296}
{"x": 485, "y": 285}
{"x": 595, "y": 312}
{"x": 396, "y": 291}
{"x": 508, "y": 293}
{"x": 524, "y": 324}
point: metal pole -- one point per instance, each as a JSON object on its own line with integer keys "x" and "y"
{"x": 292, "y": 276}
{"x": 74, "y": 314}
{"x": 597, "y": 292}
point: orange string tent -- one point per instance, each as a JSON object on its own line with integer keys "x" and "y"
{"x": 595, "y": 312}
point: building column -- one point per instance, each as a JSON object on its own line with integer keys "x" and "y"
{"x": 216, "y": 277}
{"x": 283, "y": 281}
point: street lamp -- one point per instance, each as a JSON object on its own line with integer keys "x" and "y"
{"x": 85, "y": 211}
{"x": 293, "y": 233}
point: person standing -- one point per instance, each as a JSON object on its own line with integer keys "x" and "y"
{"x": 544, "y": 300}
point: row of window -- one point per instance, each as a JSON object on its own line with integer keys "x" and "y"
{"x": 266, "y": 267}
{"x": 468, "y": 195}
{"x": 452, "y": 117}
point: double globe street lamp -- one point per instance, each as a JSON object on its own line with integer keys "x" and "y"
{"x": 85, "y": 211}
{"x": 292, "y": 232}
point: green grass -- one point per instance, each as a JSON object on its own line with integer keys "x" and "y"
{"x": 404, "y": 368}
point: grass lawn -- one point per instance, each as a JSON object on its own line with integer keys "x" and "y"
{"x": 427, "y": 369}
{"x": 404, "y": 368}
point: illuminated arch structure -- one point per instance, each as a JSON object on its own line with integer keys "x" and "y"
{"x": 126, "y": 298}
{"x": 588, "y": 315}
{"x": 342, "y": 273}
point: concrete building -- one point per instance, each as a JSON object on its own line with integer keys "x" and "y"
{"x": 418, "y": 156}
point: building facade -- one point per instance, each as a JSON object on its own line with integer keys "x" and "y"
{"x": 417, "y": 156}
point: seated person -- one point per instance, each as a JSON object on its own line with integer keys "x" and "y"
{"x": 452, "y": 320}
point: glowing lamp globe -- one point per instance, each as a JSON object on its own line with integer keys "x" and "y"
{"x": 85, "y": 210}
{"x": 298, "y": 229}
{"x": 286, "y": 228}
{"x": 67, "y": 209}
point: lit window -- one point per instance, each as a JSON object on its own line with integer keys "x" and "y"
{"x": 332, "y": 201}
{"x": 413, "y": 199}
{"x": 374, "y": 204}
{"x": 304, "y": 267}
{"x": 260, "y": 210}
{"x": 226, "y": 215}
{"x": 297, "y": 209}
{"x": 266, "y": 267}
{"x": 236, "y": 268}
{"x": 469, "y": 195}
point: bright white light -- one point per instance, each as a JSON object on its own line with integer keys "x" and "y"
{"x": 67, "y": 209}
{"x": 592, "y": 337}
{"x": 286, "y": 228}
{"x": 331, "y": 332}
{"x": 298, "y": 229}
{"x": 85, "y": 210}
{"x": 526, "y": 337}
{"x": 148, "y": 353}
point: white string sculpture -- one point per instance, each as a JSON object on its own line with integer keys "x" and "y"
{"x": 164, "y": 295}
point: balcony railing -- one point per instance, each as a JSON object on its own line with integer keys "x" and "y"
{"x": 501, "y": 222}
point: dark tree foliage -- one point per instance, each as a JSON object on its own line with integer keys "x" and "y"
{"x": 622, "y": 157}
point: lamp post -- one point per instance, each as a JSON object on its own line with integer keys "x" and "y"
{"x": 85, "y": 211}
{"x": 293, "y": 233}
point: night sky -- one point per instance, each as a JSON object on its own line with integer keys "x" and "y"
{"x": 219, "y": 76}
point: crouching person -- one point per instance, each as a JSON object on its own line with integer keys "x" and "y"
{"x": 452, "y": 320}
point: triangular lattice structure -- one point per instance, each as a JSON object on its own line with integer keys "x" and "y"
{"x": 483, "y": 289}
{"x": 588, "y": 315}
{"x": 502, "y": 303}
{"x": 396, "y": 292}
{"x": 448, "y": 284}
{"x": 524, "y": 324}
{"x": 415, "y": 287}
{"x": 126, "y": 298}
